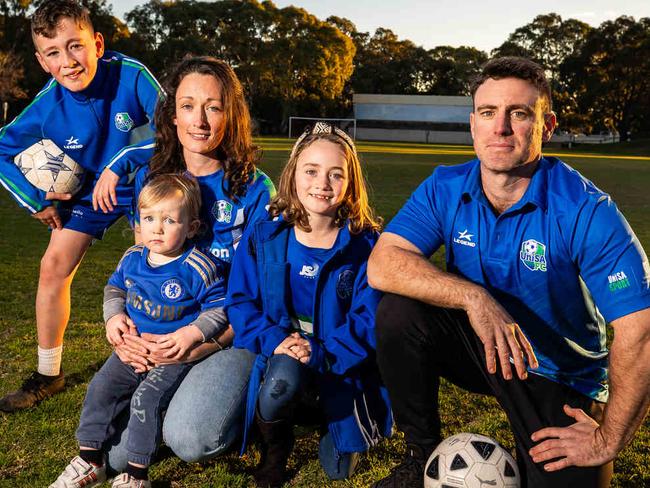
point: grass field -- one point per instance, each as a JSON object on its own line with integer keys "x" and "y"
{"x": 36, "y": 444}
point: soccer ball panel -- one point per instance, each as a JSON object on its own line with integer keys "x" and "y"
{"x": 470, "y": 461}
{"x": 48, "y": 168}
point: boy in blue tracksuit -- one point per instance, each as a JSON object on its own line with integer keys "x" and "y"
{"x": 96, "y": 104}
{"x": 299, "y": 298}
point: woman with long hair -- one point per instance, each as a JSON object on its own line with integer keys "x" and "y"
{"x": 203, "y": 128}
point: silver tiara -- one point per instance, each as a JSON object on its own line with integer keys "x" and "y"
{"x": 325, "y": 128}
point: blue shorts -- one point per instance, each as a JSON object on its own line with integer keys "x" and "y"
{"x": 81, "y": 216}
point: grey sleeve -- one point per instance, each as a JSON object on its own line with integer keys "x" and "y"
{"x": 114, "y": 301}
{"x": 211, "y": 322}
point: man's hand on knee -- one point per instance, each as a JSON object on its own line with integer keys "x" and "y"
{"x": 501, "y": 336}
{"x": 580, "y": 444}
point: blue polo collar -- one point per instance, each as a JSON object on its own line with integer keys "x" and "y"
{"x": 536, "y": 193}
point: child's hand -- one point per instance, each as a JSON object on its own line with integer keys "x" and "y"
{"x": 104, "y": 195}
{"x": 117, "y": 326}
{"x": 295, "y": 346}
{"x": 180, "y": 342}
{"x": 50, "y": 215}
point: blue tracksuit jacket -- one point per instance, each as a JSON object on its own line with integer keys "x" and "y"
{"x": 354, "y": 401}
{"x": 91, "y": 126}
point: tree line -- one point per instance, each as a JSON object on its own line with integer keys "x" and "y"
{"x": 293, "y": 63}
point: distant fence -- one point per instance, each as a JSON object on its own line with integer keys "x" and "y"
{"x": 464, "y": 137}
{"x": 414, "y": 135}
{"x": 583, "y": 139}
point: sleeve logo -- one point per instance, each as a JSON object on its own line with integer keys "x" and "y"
{"x": 123, "y": 121}
{"x": 618, "y": 281}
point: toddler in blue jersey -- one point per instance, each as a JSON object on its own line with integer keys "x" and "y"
{"x": 96, "y": 104}
{"x": 163, "y": 286}
{"x": 299, "y": 299}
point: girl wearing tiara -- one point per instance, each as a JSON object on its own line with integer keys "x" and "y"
{"x": 299, "y": 299}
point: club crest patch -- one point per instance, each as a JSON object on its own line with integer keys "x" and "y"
{"x": 533, "y": 255}
{"x": 345, "y": 284}
{"x": 171, "y": 290}
{"x": 123, "y": 121}
{"x": 222, "y": 211}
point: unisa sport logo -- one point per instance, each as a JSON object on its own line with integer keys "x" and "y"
{"x": 533, "y": 255}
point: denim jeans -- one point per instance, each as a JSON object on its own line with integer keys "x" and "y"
{"x": 205, "y": 415}
{"x": 116, "y": 386}
{"x": 284, "y": 382}
{"x": 284, "y": 379}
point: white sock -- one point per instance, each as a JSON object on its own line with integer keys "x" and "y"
{"x": 49, "y": 360}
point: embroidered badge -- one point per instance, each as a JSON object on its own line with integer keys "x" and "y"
{"x": 123, "y": 121}
{"x": 222, "y": 211}
{"x": 171, "y": 290}
{"x": 345, "y": 284}
{"x": 533, "y": 255}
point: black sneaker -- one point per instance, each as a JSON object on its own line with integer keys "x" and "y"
{"x": 35, "y": 389}
{"x": 408, "y": 474}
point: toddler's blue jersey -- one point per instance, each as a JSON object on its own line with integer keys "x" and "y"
{"x": 165, "y": 298}
{"x": 224, "y": 219}
{"x": 91, "y": 126}
{"x": 562, "y": 261}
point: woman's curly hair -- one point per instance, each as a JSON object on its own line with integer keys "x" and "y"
{"x": 236, "y": 152}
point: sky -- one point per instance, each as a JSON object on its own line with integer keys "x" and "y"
{"x": 483, "y": 24}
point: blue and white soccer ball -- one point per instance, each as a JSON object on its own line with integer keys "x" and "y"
{"x": 48, "y": 168}
{"x": 470, "y": 461}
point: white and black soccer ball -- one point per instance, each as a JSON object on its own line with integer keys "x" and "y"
{"x": 470, "y": 461}
{"x": 48, "y": 168}
{"x": 530, "y": 247}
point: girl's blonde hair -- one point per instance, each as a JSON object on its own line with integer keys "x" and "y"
{"x": 354, "y": 205}
{"x": 162, "y": 187}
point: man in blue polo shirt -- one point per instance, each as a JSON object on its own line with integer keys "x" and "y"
{"x": 538, "y": 261}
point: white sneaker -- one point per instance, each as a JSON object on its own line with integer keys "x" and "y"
{"x": 80, "y": 474}
{"x": 126, "y": 481}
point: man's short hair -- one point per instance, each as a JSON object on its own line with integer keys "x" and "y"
{"x": 49, "y": 14}
{"x": 514, "y": 67}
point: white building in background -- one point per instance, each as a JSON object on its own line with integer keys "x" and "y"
{"x": 413, "y": 118}
{"x": 432, "y": 119}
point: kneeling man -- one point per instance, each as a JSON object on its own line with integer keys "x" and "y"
{"x": 538, "y": 261}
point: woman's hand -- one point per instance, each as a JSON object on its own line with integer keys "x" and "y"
{"x": 133, "y": 353}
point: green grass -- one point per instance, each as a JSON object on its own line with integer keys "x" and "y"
{"x": 36, "y": 444}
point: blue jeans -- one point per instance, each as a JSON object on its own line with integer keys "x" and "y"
{"x": 116, "y": 386}
{"x": 285, "y": 377}
{"x": 205, "y": 415}
{"x": 284, "y": 381}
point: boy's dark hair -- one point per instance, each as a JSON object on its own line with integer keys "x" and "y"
{"x": 514, "y": 67}
{"x": 48, "y": 15}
